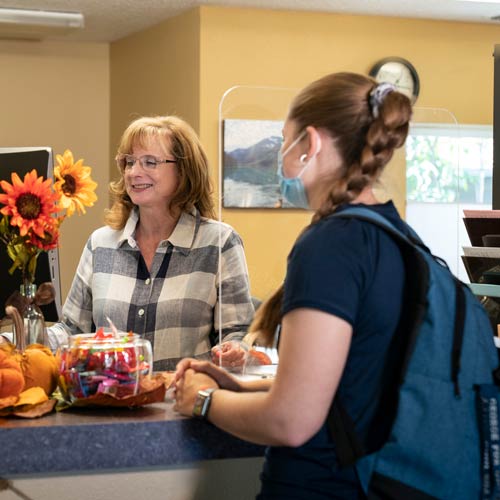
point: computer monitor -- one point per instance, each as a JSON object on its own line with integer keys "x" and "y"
{"x": 23, "y": 160}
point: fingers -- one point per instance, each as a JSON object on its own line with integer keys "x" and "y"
{"x": 183, "y": 364}
{"x": 233, "y": 358}
{"x": 187, "y": 387}
{"x": 202, "y": 374}
{"x": 180, "y": 369}
{"x": 227, "y": 347}
{"x": 189, "y": 363}
{"x": 223, "y": 379}
{"x": 206, "y": 367}
{"x": 229, "y": 354}
{"x": 203, "y": 366}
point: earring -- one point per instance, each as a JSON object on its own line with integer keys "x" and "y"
{"x": 303, "y": 159}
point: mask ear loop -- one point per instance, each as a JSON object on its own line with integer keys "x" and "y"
{"x": 318, "y": 147}
{"x": 303, "y": 157}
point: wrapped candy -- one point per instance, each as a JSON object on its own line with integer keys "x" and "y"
{"x": 117, "y": 364}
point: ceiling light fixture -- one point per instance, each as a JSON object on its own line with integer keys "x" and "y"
{"x": 37, "y": 24}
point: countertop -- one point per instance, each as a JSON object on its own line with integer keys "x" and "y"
{"x": 83, "y": 439}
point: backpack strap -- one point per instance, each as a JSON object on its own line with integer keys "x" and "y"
{"x": 411, "y": 247}
{"x": 414, "y": 240}
{"x": 362, "y": 213}
{"x": 349, "y": 446}
{"x": 458, "y": 335}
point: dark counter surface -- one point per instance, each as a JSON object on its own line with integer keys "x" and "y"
{"x": 106, "y": 439}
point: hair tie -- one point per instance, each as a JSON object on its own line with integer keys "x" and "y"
{"x": 377, "y": 96}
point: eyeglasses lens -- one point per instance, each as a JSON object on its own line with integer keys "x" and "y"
{"x": 128, "y": 161}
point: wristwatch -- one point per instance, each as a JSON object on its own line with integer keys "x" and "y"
{"x": 202, "y": 403}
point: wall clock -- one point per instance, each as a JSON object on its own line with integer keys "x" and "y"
{"x": 400, "y": 73}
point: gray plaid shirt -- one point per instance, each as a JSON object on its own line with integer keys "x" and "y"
{"x": 176, "y": 306}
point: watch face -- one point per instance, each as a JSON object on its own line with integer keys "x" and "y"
{"x": 202, "y": 403}
{"x": 400, "y": 73}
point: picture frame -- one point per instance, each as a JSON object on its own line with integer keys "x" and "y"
{"x": 249, "y": 163}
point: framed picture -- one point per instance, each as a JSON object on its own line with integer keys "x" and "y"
{"x": 250, "y": 152}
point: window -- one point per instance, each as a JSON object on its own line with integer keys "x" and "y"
{"x": 449, "y": 168}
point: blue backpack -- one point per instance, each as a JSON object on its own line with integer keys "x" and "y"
{"x": 440, "y": 436}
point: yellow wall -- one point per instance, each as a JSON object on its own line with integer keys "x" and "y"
{"x": 289, "y": 49}
{"x": 57, "y": 94}
{"x": 81, "y": 96}
{"x": 196, "y": 57}
{"x": 156, "y": 72}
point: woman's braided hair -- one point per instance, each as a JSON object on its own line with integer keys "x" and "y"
{"x": 367, "y": 126}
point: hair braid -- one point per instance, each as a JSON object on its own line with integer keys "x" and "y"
{"x": 386, "y": 133}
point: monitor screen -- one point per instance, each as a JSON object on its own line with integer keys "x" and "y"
{"x": 22, "y": 161}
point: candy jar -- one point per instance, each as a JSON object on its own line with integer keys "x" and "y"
{"x": 101, "y": 363}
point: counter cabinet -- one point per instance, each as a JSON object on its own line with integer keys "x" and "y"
{"x": 106, "y": 438}
{"x": 150, "y": 448}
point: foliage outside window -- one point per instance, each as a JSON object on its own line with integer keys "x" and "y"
{"x": 449, "y": 164}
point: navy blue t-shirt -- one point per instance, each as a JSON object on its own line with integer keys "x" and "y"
{"x": 354, "y": 270}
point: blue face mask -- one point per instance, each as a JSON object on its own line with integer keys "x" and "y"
{"x": 292, "y": 189}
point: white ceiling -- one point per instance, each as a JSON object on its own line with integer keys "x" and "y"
{"x": 109, "y": 20}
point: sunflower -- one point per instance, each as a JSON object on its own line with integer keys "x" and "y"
{"x": 51, "y": 237}
{"x": 73, "y": 184}
{"x": 29, "y": 204}
{"x": 31, "y": 211}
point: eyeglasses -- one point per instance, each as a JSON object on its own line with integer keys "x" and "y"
{"x": 147, "y": 162}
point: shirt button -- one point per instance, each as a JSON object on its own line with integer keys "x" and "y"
{"x": 141, "y": 312}
{"x": 148, "y": 281}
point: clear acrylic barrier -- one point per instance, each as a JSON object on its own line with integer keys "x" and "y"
{"x": 449, "y": 170}
{"x": 432, "y": 195}
{"x": 251, "y": 120}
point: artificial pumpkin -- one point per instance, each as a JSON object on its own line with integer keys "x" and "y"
{"x": 11, "y": 375}
{"x": 38, "y": 365}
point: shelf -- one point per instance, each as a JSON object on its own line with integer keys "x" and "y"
{"x": 484, "y": 289}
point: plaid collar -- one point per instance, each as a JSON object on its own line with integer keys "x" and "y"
{"x": 182, "y": 236}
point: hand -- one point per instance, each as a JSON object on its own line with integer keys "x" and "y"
{"x": 186, "y": 390}
{"x": 230, "y": 354}
{"x": 223, "y": 379}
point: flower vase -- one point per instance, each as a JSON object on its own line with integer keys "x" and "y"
{"x": 34, "y": 324}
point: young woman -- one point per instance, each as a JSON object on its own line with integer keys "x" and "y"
{"x": 154, "y": 268}
{"x": 341, "y": 300}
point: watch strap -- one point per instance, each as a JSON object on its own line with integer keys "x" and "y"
{"x": 202, "y": 403}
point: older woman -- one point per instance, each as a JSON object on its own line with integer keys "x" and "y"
{"x": 162, "y": 267}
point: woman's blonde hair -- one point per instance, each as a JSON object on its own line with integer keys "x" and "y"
{"x": 341, "y": 104}
{"x": 178, "y": 139}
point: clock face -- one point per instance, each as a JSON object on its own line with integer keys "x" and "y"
{"x": 400, "y": 73}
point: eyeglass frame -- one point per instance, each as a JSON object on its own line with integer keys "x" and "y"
{"x": 121, "y": 157}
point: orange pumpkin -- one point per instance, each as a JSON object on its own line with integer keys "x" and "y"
{"x": 39, "y": 368}
{"x": 11, "y": 375}
{"x": 38, "y": 365}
